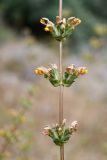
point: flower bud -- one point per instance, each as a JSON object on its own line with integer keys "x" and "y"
{"x": 60, "y": 131}
{"x": 54, "y": 66}
{"x": 64, "y": 122}
{"x": 58, "y": 20}
{"x": 64, "y": 21}
{"x": 71, "y": 68}
{"x": 47, "y": 130}
{"x": 73, "y": 127}
{"x": 62, "y": 26}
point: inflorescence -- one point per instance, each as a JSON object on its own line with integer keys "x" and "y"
{"x": 53, "y": 75}
{"x": 62, "y": 29}
{"x": 61, "y": 134}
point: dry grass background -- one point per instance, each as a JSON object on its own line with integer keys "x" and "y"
{"x": 85, "y": 101}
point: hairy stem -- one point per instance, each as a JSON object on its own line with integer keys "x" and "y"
{"x": 61, "y": 87}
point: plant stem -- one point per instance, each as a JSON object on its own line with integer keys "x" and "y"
{"x": 61, "y": 98}
{"x": 60, "y": 9}
{"x": 61, "y": 87}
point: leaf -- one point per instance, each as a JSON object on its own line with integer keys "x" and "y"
{"x": 54, "y": 134}
{"x": 63, "y": 138}
{"x": 54, "y": 77}
{"x": 66, "y": 135}
{"x": 45, "y": 76}
{"x": 69, "y": 79}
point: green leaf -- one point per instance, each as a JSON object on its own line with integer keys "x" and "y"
{"x": 69, "y": 79}
{"x": 63, "y": 138}
{"x": 45, "y": 76}
{"x": 66, "y": 135}
{"x": 54, "y": 77}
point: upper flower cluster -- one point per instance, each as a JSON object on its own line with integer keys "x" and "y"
{"x": 71, "y": 73}
{"x": 61, "y": 134}
{"x": 63, "y": 27}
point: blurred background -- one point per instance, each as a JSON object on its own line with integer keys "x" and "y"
{"x": 29, "y": 102}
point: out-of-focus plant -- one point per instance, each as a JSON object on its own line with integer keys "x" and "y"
{"x": 101, "y": 29}
{"x": 13, "y": 133}
{"x": 96, "y": 43}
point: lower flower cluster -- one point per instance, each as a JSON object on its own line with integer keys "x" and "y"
{"x": 61, "y": 134}
{"x": 53, "y": 75}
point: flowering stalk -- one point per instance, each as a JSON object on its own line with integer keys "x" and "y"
{"x": 61, "y": 30}
{"x": 61, "y": 98}
{"x": 61, "y": 87}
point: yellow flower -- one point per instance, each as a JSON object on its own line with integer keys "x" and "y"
{"x": 49, "y": 28}
{"x": 41, "y": 71}
{"x": 82, "y": 70}
{"x": 74, "y": 21}
{"x": 46, "y": 29}
{"x": 49, "y": 25}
